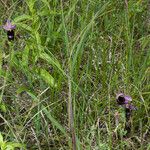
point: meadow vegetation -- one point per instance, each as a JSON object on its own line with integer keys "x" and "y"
{"x": 60, "y": 76}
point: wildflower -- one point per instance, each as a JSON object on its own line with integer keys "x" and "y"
{"x": 123, "y": 99}
{"x": 9, "y": 27}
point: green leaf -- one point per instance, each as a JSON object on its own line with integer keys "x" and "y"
{"x": 1, "y": 138}
{"x": 22, "y": 89}
{"x": 30, "y": 4}
{"x": 54, "y": 121}
{"x": 50, "y": 60}
{"x": 3, "y": 107}
{"x": 13, "y": 145}
{"x": 22, "y": 18}
{"x": 24, "y": 26}
{"x": 47, "y": 78}
{"x": 53, "y": 61}
{"x": 38, "y": 38}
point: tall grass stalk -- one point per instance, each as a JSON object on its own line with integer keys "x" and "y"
{"x": 70, "y": 102}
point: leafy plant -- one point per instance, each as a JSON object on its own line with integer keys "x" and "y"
{"x": 4, "y": 145}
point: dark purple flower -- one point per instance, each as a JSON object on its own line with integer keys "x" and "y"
{"x": 125, "y": 102}
{"x": 123, "y": 99}
{"x": 9, "y": 26}
{"x": 10, "y": 35}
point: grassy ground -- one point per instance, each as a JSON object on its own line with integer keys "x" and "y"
{"x": 61, "y": 74}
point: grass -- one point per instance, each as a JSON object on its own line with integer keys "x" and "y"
{"x": 61, "y": 74}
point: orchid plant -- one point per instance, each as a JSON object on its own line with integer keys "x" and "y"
{"x": 125, "y": 101}
{"x": 9, "y": 27}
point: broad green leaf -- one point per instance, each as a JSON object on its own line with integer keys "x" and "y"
{"x": 1, "y": 138}
{"x": 38, "y": 38}
{"x": 47, "y": 78}
{"x": 24, "y": 26}
{"x": 13, "y": 145}
{"x": 3, "y": 107}
{"x": 22, "y": 17}
{"x": 51, "y": 60}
